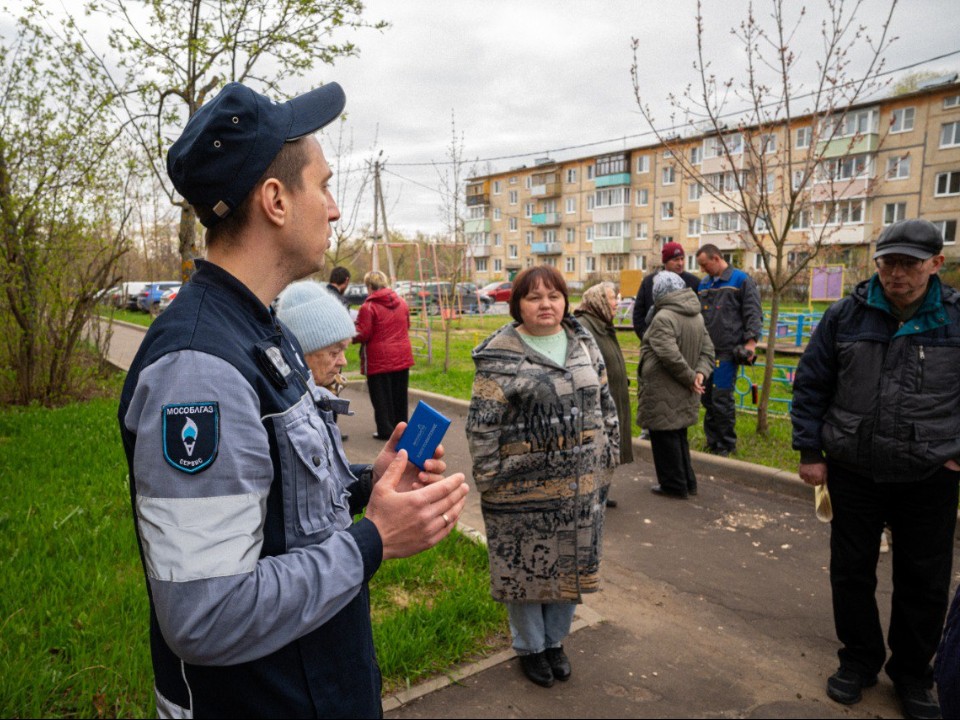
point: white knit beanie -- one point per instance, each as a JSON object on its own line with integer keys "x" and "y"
{"x": 665, "y": 282}
{"x": 315, "y": 316}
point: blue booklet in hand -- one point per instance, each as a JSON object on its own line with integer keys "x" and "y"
{"x": 424, "y": 432}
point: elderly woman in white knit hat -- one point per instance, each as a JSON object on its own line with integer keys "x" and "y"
{"x": 675, "y": 358}
{"x": 324, "y": 329}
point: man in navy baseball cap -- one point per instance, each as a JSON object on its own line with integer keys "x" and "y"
{"x": 243, "y": 498}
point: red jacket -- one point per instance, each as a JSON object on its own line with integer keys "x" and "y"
{"x": 383, "y": 325}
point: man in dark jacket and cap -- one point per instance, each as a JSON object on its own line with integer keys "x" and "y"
{"x": 673, "y": 259}
{"x": 876, "y": 416}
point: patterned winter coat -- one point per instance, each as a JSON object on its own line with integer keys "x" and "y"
{"x": 543, "y": 439}
{"x": 676, "y": 346}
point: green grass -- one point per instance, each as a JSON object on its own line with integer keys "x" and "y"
{"x": 73, "y": 608}
{"x": 131, "y": 316}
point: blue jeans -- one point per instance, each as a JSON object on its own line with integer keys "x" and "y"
{"x": 536, "y": 627}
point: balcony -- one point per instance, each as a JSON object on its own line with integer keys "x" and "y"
{"x": 478, "y": 251}
{"x": 611, "y": 246}
{"x": 478, "y": 199}
{"x": 611, "y": 213}
{"x": 840, "y": 189}
{"x": 478, "y": 225}
{"x": 602, "y": 181}
{"x": 843, "y": 146}
{"x": 545, "y": 190}
{"x": 545, "y": 219}
{"x": 546, "y": 248}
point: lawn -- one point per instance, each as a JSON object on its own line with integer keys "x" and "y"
{"x": 73, "y": 610}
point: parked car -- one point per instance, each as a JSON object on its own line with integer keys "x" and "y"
{"x": 168, "y": 297}
{"x": 129, "y": 292}
{"x": 355, "y": 293}
{"x": 149, "y": 297}
{"x": 498, "y": 291}
{"x": 441, "y": 294}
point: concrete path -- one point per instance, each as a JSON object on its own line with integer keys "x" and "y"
{"x": 714, "y": 607}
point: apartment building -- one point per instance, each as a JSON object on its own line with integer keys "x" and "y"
{"x": 883, "y": 161}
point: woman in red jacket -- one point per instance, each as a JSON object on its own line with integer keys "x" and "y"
{"x": 386, "y": 357}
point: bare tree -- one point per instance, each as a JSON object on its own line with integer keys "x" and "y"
{"x": 351, "y": 181}
{"x": 798, "y": 194}
{"x": 175, "y": 54}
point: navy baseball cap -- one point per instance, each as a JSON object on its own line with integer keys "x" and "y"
{"x": 915, "y": 238}
{"x": 230, "y": 142}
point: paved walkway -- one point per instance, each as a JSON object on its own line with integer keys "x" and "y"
{"x": 714, "y": 607}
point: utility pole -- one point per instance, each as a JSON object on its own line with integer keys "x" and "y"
{"x": 380, "y": 213}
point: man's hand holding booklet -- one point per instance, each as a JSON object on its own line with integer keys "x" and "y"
{"x": 423, "y": 433}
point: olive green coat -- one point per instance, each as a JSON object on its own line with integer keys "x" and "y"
{"x": 606, "y": 337}
{"x": 543, "y": 439}
{"x": 676, "y": 346}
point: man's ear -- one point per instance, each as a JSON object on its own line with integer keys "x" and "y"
{"x": 274, "y": 201}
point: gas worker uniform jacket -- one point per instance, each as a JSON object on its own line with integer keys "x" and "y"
{"x": 543, "y": 438}
{"x": 879, "y": 397}
{"x": 243, "y": 500}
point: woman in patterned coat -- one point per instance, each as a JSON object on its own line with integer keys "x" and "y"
{"x": 675, "y": 358}
{"x": 544, "y": 436}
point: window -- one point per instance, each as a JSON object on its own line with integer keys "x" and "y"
{"x": 512, "y": 252}
{"x": 551, "y": 261}
{"x": 514, "y": 197}
{"x": 611, "y": 229}
{"x": 613, "y": 164}
{"x": 590, "y": 232}
{"x": 497, "y": 264}
{"x": 496, "y": 187}
{"x": 513, "y": 224}
{"x": 692, "y": 265}
{"x": 570, "y": 264}
{"x": 612, "y": 197}
{"x": 642, "y": 231}
{"x": 844, "y": 168}
{"x": 572, "y": 175}
{"x": 723, "y": 182}
{"x": 768, "y": 143}
{"x": 590, "y": 263}
{"x": 614, "y": 263}
{"x": 643, "y": 197}
{"x": 797, "y": 179}
{"x": 643, "y": 164}
{"x": 950, "y": 134}
{"x": 590, "y": 170}
{"x": 696, "y": 155}
{"x": 528, "y": 237}
{"x": 768, "y": 185}
{"x": 640, "y": 262}
{"x": 513, "y": 180}
{"x": 571, "y": 205}
{"x": 669, "y": 176}
{"x": 902, "y": 120}
{"x": 528, "y": 209}
{"x": 571, "y": 235}
{"x": 898, "y": 168}
{"x": 948, "y": 228}
{"x": 664, "y": 239}
{"x": 724, "y": 222}
{"x": 590, "y": 202}
{"x": 550, "y": 235}
{"x": 528, "y": 182}
{"x": 666, "y": 210}
{"x": 497, "y": 214}
{"x": 497, "y": 240}
{"x": 667, "y": 153}
{"x": 801, "y": 221}
{"x": 842, "y": 212}
{"x": 714, "y": 147}
{"x": 951, "y": 101}
{"x": 948, "y": 183}
{"x": 477, "y": 212}
{"x": 803, "y": 137}
{"x": 693, "y": 227}
{"x": 481, "y": 264}
{"x": 894, "y": 212}
{"x": 758, "y": 261}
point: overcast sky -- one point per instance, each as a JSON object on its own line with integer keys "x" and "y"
{"x": 530, "y": 76}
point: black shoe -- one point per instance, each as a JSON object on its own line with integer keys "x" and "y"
{"x": 845, "y": 685}
{"x": 720, "y": 452}
{"x": 537, "y": 669}
{"x": 611, "y": 503}
{"x": 344, "y": 438}
{"x": 691, "y": 490}
{"x": 660, "y": 490}
{"x": 380, "y": 437}
{"x": 559, "y": 662}
{"x": 916, "y": 702}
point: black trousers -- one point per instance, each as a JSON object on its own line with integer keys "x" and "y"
{"x": 922, "y": 517}
{"x": 388, "y": 393}
{"x": 671, "y": 460}
{"x": 720, "y": 419}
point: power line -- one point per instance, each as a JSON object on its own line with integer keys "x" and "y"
{"x": 654, "y": 132}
